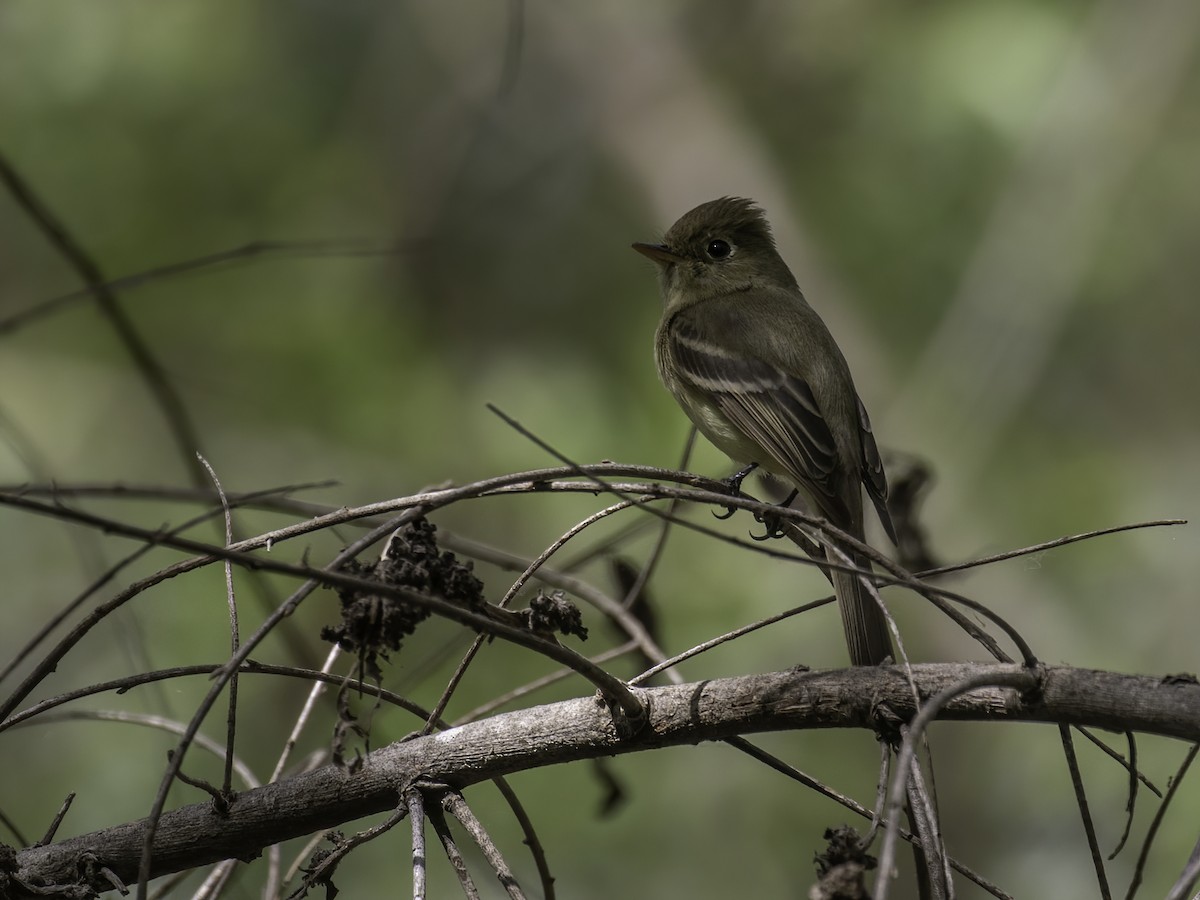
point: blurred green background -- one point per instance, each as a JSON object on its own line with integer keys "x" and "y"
{"x": 994, "y": 205}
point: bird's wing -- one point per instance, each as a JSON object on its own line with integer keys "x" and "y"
{"x": 873, "y": 474}
{"x": 771, "y": 407}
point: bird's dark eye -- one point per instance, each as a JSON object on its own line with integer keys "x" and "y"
{"x": 718, "y": 249}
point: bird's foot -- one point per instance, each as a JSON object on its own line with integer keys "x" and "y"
{"x": 734, "y": 485}
{"x": 734, "y": 481}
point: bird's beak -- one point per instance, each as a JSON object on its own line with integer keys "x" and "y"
{"x": 660, "y": 253}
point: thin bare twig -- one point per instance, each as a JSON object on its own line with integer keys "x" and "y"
{"x": 275, "y": 859}
{"x": 438, "y": 820}
{"x": 453, "y": 803}
{"x": 1046, "y": 545}
{"x": 1152, "y": 831}
{"x": 1127, "y": 764}
{"x": 1131, "y": 802}
{"x": 881, "y": 785}
{"x": 324, "y": 677}
{"x": 660, "y": 545}
{"x": 57, "y": 820}
{"x": 416, "y": 817}
{"x": 452, "y": 685}
{"x": 1188, "y": 877}
{"x": 234, "y": 631}
{"x": 531, "y": 838}
{"x": 932, "y": 851}
{"x": 322, "y": 872}
{"x": 1089, "y": 826}
{"x": 214, "y": 884}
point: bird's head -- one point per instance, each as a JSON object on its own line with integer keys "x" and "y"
{"x": 718, "y": 248}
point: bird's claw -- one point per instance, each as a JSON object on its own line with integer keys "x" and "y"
{"x": 776, "y": 526}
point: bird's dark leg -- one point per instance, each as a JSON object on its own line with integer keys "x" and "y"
{"x": 734, "y": 484}
{"x": 735, "y": 480}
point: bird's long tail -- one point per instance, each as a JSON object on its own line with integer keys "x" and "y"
{"x": 866, "y": 629}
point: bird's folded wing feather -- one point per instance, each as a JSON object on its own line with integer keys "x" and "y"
{"x": 873, "y": 475}
{"x": 774, "y": 409}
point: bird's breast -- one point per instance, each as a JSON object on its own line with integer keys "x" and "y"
{"x": 706, "y": 414}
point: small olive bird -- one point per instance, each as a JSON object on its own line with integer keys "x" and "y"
{"x": 756, "y": 369}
